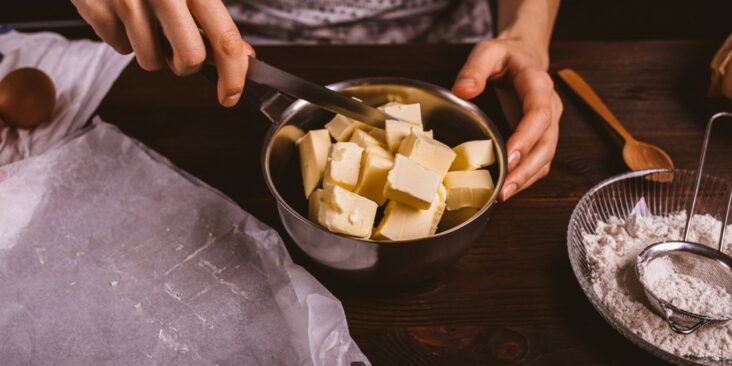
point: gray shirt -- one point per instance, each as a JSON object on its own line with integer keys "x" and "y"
{"x": 362, "y": 21}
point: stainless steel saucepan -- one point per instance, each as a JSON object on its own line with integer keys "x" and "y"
{"x": 366, "y": 261}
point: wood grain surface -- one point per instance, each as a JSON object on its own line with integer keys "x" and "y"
{"x": 512, "y": 299}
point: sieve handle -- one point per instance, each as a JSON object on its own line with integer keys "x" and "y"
{"x": 685, "y": 330}
{"x": 699, "y": 171}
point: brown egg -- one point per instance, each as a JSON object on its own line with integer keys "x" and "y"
{"x": 27, "y": 97}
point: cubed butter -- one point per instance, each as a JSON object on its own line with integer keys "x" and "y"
{"x": 374, "y": 170}
{"x": 428, "y": 152}
{"x": 342, "y": 127}
{"x": 379, "y": 150}
{"x": 344, "y": 164}
{"x": 363, "y": 139}
{"x": 313, "y": 148}
{"x": 314, "y": 202}
{"x": 345, "y": 212}
{"x": 450, "y": 219}
{"x": 410, "y": 183}
{"x": 397, "y": 131}
{"x": 473, "y": 155}
{"x": 379, "y": 134}
{"x": 410, "y": 113}
{"x": 471, "y": 188}
{"x": 402, "y": 222}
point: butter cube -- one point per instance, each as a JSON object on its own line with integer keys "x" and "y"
{"x": 363, "y": 139}
{"x": 402, "y": 222}
{"x": 342, "y": 127}
{"x": 345, "y": 212}
{"x": 344, "y": 164}
{"x": 379, "y": 150}
{"x": 471, "y": 188}
{"x": 428, "y": 152}
{"x": 473, "y": 155}
{"x": 411, "y": 184}
{"x": 450, "y": 219}
{"x": 410, "y": 113}
{"x": 313, "y": 148}
{"x": 379, "y": 134}
{"x": 396, "y": 131}
{"x": 374, "y": 170}
{"x": 314, "y": 202}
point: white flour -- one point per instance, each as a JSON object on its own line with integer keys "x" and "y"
{"x": 611, "y": 252}
{"x": 686, "y": 292}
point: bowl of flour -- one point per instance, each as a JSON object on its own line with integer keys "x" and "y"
{"x": 619, "y": 218}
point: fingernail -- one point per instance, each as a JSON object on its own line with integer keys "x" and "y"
{"x": 232, "y": 99}
{"x": 509, "y": 191}
{"x": 513, "y": 159}
{"x": 465, "y": 83}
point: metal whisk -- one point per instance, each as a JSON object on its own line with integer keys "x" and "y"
{"x": 697, "y": 260}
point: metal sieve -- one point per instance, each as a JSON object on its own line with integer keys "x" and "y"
{"x": 697, "y": 260}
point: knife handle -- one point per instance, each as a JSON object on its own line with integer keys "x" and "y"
{"x": 268, "y": 100}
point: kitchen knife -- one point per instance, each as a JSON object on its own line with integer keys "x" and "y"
{"x": 296, "y": 87}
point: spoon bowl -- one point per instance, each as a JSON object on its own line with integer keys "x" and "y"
{"x": 641, "y": 156}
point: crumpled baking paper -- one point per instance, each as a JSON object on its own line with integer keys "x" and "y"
{"x": 110, "y": 255}
{"x": 82, "y": 72}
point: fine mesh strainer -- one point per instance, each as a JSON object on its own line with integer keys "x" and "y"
{"x": 696, "y": 260}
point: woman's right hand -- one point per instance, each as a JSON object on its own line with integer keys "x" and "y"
{"x": 133, "y": 25}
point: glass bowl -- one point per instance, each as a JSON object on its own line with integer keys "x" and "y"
{"x": 665, "y": 192}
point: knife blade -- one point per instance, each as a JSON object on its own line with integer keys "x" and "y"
{"x": 296, "y": 87}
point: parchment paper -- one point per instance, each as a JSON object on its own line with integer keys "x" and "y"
{"x": 109, "y": 255}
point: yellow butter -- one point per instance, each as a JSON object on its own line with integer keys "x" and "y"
{"x": 471, "y": 188}
{"x": 342, "y": 127}
{"x": 344, "y": 164}
{"x": 450, "y": 219}
{"x": 379, "y": 134}
{"x": 410, "y": 183}
{"x": 378, "y": 150}
{"x": 372, "y": 179}
{"x": 402, "y": 222}
{"x": 473, "y": 155}
{"x": 345, "y": 212}
{"x": 313, "y": 148}
{"x": 428, "y": 152}
{"x": 396, "y": 131}
{"x": 314, "y": 202}
{"x": 410, "y": 113}
{"x": 363, "y": 139}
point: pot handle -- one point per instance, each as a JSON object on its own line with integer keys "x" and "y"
{"x": 271, "y": 102}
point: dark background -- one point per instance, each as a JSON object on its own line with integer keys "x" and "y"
{"x": 577, "y": 20}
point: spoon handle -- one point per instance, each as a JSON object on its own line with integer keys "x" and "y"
{"x": 585, "y": 92}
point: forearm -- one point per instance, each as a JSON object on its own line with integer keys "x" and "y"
{"x": 529, "y": 21}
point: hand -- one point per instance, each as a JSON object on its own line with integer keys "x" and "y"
{"x": 133, "y": 25}
{"x": 532, "y": 146}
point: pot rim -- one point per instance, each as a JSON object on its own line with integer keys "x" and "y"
{"x": 298, "y": 104}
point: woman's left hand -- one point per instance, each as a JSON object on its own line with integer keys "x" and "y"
{"x": 533, "y": 144}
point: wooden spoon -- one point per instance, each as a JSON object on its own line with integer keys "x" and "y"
{"x": 637, "y": 155}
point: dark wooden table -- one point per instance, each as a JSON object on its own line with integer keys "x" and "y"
{"x": 512, "y": 299}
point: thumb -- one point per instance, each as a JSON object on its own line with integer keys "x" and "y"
{"x": 484, "y": 61}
